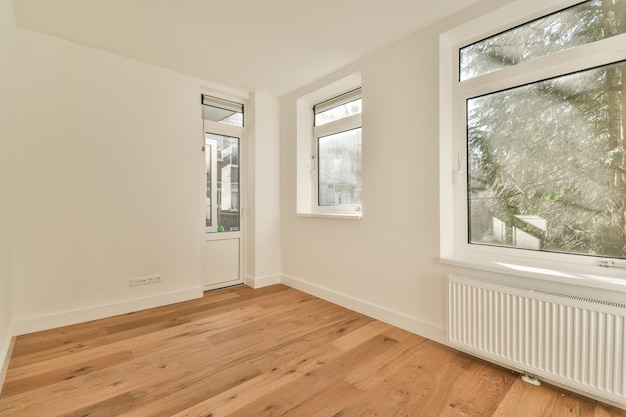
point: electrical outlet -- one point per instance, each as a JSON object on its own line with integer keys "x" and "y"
{"x": 155, "y": 279}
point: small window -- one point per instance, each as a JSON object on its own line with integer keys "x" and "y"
{"x": 338, "y": 107}
{"x": 581, "y": 24}
{"x": 222, "y": 111}
{"x": 338, "y": 153}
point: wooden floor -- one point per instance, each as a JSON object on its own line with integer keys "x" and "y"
{"x": 258, "y": 353}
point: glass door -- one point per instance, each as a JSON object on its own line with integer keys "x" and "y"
{"x": 224, "y": 239}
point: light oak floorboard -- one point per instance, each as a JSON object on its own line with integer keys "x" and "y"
{"x": 269, "y": 352}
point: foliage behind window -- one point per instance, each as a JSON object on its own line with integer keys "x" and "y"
{"x": 546, "y": 161}
{"x": 578, "y": 25}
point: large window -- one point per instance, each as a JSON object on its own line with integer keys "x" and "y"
{"x": 538, "y": 136}
{"x": 337, "y": 153}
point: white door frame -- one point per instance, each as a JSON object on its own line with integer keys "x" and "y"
{"x": 210, "y": 237}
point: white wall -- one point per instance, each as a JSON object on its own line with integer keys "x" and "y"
{"x": 108, "y": 183}
{"x": 263, "y": 205}
{"x": 385, "y": 264}
{"x": 7, "y": 33}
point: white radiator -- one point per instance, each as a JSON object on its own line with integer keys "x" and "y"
{"x": 573, "y": 341}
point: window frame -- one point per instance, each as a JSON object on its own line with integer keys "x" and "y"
{"x": 306, "y": 147}
{"x": 454, "y": 243}
{"x": 235, "y": 104}
{"x": 331, "y": 128}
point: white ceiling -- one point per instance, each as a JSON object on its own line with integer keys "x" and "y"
{"x": 273, "y": 46}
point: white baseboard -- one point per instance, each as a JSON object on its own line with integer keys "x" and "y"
{"x": 35, "y": 324}
{"x": 260, "y": 282}
{"x": 395, "y": 318}
{"x": 6, "y": 348}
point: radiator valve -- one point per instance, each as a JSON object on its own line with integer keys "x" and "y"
{"x": 531, "y": 378}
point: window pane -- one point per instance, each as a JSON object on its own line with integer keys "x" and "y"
{"x": 222, "y": 197}
{"x": 219, "y": 110}
{"x": 228, "y": 117}
{"x": 578, "y": 25}
{"x": 339, "y": 165}
{"x": 546, "y": 164}
{"x": 339, "y": 112}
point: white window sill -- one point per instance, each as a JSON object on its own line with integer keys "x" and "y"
{"x": 613, "y": 279}
{"x": 348, "y": 216}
